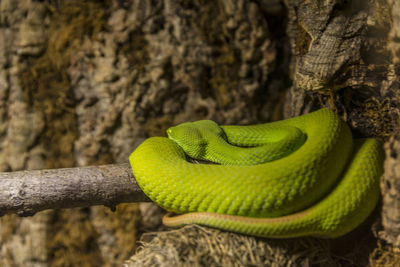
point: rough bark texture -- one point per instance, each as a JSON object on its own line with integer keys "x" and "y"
{"x": 28, "y": 192}
{"x": 84, "y": 82}
{"x": 391, "y": 197}
{"x": 390, "y": 184}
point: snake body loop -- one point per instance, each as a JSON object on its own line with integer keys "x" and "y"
{"x": 295, "y": 177}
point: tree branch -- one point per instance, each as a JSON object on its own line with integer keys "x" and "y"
{"x": 27, "y": 192}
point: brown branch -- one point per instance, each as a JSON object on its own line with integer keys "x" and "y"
{"x": 27, "y": 192}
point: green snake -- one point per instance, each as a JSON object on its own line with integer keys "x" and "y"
{"x": 303, "y": 176}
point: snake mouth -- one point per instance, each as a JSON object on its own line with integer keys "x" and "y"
{"x": 175, "y": 141}
{"x": 170, "y": 135}
{"x": 169, "y": 132}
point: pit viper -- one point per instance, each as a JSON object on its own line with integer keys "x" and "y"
{"x": 303, "y": 176}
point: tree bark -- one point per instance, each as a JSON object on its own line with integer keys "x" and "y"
{"x": 28, "y": 192}
{"x": 84, "y": 82}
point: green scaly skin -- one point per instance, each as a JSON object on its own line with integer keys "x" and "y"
{"x": 319, "y": 184}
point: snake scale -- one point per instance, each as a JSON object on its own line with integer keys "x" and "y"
{"x": 303, "y": 176}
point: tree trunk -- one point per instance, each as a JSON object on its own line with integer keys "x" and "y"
{"x": 85, "y": 82}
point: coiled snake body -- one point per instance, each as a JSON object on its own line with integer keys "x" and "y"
{"x": 296, "y": 177}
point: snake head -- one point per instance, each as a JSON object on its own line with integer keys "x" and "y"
{"x": 193, "y": 137}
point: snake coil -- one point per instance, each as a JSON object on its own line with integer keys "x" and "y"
{"x": 304, "y": 176}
